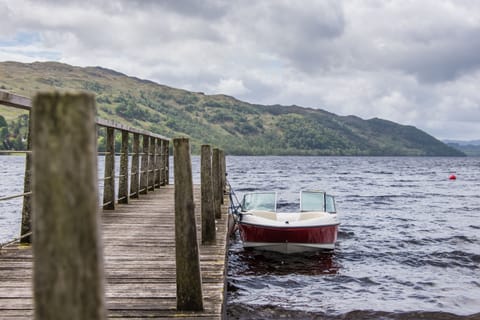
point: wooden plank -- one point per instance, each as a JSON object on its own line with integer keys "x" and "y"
{"x": 14, "y": 100}
{"x": 119, "y": 126}
{"x": 139, "y": 259}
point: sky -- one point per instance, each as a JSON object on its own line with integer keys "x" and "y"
{"x": 415, "y": 62}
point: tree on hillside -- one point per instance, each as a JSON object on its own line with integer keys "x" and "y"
{"x": 3, "y": 133}
{"x": 3, "y": 122}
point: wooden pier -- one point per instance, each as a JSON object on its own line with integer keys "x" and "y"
{"x": 155, "y": 250}
{"x": 139, "y": 253}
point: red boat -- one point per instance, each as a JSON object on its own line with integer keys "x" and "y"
{"x": 314, "y": 227}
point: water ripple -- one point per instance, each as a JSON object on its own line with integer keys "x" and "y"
{"x": 408, "y": 246}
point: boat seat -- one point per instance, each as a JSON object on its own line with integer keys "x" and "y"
{"x": 265, "y": 214}
{"x": 311, "y": 215}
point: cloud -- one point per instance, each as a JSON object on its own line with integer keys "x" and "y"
{"x": 406, "y": 61}
{"x": 232, "y": 87}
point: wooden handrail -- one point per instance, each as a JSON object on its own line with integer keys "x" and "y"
{"x": 154, "y": 157}
{"x": 14, "y": 100}
{"x": 21, "y": 102}
{"x": 76, "y": 224}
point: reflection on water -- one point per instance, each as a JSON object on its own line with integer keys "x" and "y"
{"x": 259, "y": 262}
{"x": 408, "y": 244}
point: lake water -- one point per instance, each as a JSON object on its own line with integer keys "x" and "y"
{"x": 408, "y": 247}
{"x": 409, "y": 240}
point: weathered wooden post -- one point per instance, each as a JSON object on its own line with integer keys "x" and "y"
{"x": 162, "y": 166}
{"x": 109, "y": 182}
{"x": 26, "y": 226}
{"x": 208, "y": 215}
{"x": 189, "y": 280}
{"x": 134, "y": 181}
{"x": 223, "y": 178}
{"x": 158, "y": 162}
{"x": 216, "y": 183}
{"x": 123, "y": 195}
{"x": 166, "y": 163}
{"x": 68, "y": 263}
{"x": 144, "y": 163}
{"x": 151, "y": 165}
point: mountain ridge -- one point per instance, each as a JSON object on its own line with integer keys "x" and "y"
{"x": 236, "y": 126}
{"x": 469, "y": 147}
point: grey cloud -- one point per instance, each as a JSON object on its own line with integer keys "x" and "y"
{"x": 444, "y": 60}
{"x": 207, "y": 9}
{"x": 6, "y": 23}
{"x": 411, "y": 62}
{"x": 259, "y": 90}
{"x": 294, "y": 32}
{"x": 431, "y": 43}
{"x": 435, "y": 41}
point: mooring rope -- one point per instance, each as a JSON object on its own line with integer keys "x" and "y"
{"x": 8, "y": 243}
{"x": 235, "y": 204}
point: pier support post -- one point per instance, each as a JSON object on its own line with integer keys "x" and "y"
{"x": 123, "y": 195}
{"x": 208, "y": 215}
{"x": 144, "y": 163}
{"x": 162, "y": 160}
{"x": 158, "y": 162}
{"x": 223, "y": 176}
{"x": 216, "y": 183}
{"x": 26, "y": 226}
{"x": 167, "y": 162}
{"x": 189, "y": 280}
{"x": 68, "y": 264}
{"x": 109, "y": 182}
{"x": 134, "y": 175}
{"x": 151, "y": 165}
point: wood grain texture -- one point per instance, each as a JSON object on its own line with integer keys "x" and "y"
{"x": 123, "y": 194}
{"x": 189, "y": 279}
{"x": 68, "y": 277}
{"x": 208, "y": 215}
{"x": 144, "y": 165}
{"x": 135, "y": 167}
{"x": 139, "y": 258}
{"x": 109, "y": 174}
{"x": 26, "y": 225}
{"x": 216, "y": 183}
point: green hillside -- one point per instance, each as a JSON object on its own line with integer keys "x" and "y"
{"x": 236, "y": 126}
{"x": 471, "y": 150}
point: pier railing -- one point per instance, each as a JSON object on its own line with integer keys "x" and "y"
{"x": 62, "y": 138}
{"x": 149, "y": 163}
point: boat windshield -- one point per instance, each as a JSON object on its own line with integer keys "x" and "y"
{"x": 260, "y": 201}
{"x": 312, "y": 201}
{"x": 330, "y": 204}
{"x": 316, "y": 201}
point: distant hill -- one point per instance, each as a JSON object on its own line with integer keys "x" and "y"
{"x": 470, "y": 148}
{"x": 236, "y": 126}
{"x": 463, "y": 142}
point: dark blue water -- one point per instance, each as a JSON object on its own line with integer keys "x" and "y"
{"x": 409, "y": 242}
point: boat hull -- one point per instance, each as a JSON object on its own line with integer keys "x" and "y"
{"x": 288, "y": 239}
